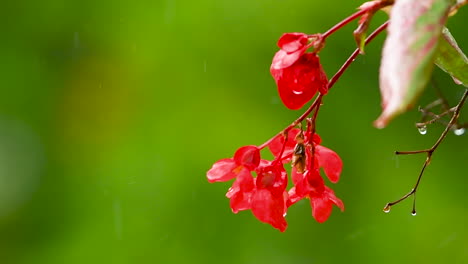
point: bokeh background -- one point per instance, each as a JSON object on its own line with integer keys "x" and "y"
{"x": 111, "y": 112}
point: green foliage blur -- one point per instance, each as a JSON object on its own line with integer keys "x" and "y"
{"x": 111, "y": 112}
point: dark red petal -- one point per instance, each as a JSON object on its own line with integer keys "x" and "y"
{"x": 241, "y": 191}
{"x": 331, "y": 196}
{"x": 269, "y": 208}
{"x": 276, "y": 144}
{"x": 223, "y": 170}
{"x": 291, "y": 42}
{"x": 330, "y": 162}
{"x": 299, "y": 83}
{"x": 321, "y": 208}
{"x": 248, "y": 156}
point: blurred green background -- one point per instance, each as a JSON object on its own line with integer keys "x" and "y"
{"x": 111, "y": 112}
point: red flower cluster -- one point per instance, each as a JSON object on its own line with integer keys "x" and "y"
{"x": 266, "y": 194}
{"x": 261, "y": 185}
{"x": 298, "y": 74}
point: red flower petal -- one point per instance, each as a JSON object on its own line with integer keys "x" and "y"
{"x": 296, "y": 177}
{"x": 269, "y": 208}
{"x": 315, "y": 180}
{"x": 291, "y": 42}
{"x": 293, "y": 197}
{"x": 321, "y": 208}
{"x": 272, "y": 177}
{"x": 241, "y": 191}
{"x": 276, "y": 144}
{"x": 331, "y": 196}
{"x": 316, "y": 139}
{"x": 301, "y": 183}
{"x": 282, "y": 60}
{"x": 330, "y": 162}
{"x": 292, "y": 46}
{"x": 223, "y": 170}
{"x": 248, "y": 156}
{"x": 322, "y": 204}
{"x": 298, "y": 83}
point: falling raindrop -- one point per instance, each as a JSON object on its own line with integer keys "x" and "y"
{"x": 459, "y": 131}
{"x": 387, "y": 208}
{"x": 422, "y": 130}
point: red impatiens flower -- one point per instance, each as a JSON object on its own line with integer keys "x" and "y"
{"x": 327, "y": 158}
{"x": 245, "y": 159}
{"x": 270, "y": 197}
{"x": 265, "y": 195}
{"x": 298, "y": 74}
{"x": 311, "y": 185}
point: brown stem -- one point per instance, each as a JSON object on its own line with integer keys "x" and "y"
{"x": 429, "y": 152}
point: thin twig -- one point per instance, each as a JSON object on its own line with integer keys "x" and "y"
{"x": 429, "y": 153}
{"x": 435, "y": 117}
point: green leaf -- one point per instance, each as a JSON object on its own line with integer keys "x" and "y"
{"x": 409, "y": 52}
{"x": 451, "y": 58}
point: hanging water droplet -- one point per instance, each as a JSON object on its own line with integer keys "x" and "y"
{"x": 387, "y": 208}
{"x": 460, "y": 131}
{"x": 413, "y": 213}
{"x": 284, "y": 215}
{"x": 422, "y": 130}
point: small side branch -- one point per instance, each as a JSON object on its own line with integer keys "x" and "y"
{"x": 453, "y": 121}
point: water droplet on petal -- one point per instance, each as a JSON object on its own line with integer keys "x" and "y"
{"x": 387, "y": 208}
{"x": 297, "y": 92}
{"x": 422, "y": 130}
{"x": 284, "y": 215}
{"x": 459, "y": 131}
